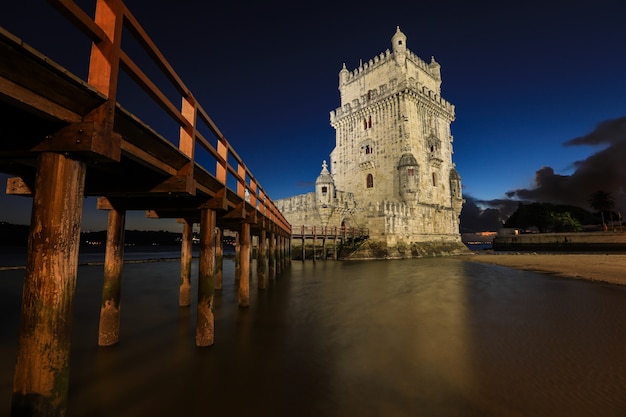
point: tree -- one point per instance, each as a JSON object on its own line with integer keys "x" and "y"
{"x": 602, "y": 201}
{"x": 564, "y": 222}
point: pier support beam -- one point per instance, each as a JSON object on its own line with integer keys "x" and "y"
{"x": 109, "y": 328}
{"x": 272, "y": 255}
{"x": 261, "y": 261}
{"x": 244, "y": 272}
{"x": 237, "y": 255}
{"x": 184, "y": 296}
{"x": 219, "y": 259}
{"x": 314, "y": 242}
{"x": 205, "y": 325}
{"x": 41, "y": 379}
{"x": 280, "y": 258}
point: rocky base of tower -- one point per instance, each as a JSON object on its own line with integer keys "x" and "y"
{"x": 372, "y": 249}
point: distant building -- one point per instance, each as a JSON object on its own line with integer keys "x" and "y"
{"x": 391, "y": 170}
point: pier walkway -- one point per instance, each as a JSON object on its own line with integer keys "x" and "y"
{"x": 64, "y": 138}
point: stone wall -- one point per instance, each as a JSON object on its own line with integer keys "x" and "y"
{"x": 562, "y": 242}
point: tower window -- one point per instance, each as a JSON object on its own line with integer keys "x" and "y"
{"x": 324, "y": 190}
{"x": 369, "y": 181}
{"x": 434, "y": 179}
{"x": 410, "y": 172}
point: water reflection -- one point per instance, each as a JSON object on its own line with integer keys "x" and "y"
{"x": 426, "y": 337}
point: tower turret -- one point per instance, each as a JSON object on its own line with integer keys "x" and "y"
{"x": 408, "y": 173}
{"x": 324, "y": 187}
{"x": 343, "y": 75}
{"x": 435, "y": 71}
{"x": 398, "y": 45}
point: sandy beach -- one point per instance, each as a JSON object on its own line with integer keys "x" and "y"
{"x": 609, "y": 268}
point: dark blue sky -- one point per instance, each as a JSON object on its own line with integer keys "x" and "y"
{"x": 531, "y": 82}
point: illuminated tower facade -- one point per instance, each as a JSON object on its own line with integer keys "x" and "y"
{"x": 393, "y": 152}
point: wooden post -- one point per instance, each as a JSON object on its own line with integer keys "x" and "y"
{"x": 314, "y": 242}
{"x": 261, "y": 261}
{"x": 237, "y": 255}
{"x": 272, "y": 255}
{"x": 281, "y": 253}
{"x": 335, "y": 243}
{"x": 303, "y": 244}
{"x": 219, "y": 259}
{"x": 244, "y": 273}
{"x": 109, "y": 329}
{"x": 289, "y": 250}
{"x": 205, "y": 325}
{"x": 324, "y": 243}
{"x": 186, "y": 254}
{"x": 41, "y": 379}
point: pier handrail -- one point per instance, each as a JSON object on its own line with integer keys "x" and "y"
{"x": 299, "y": 231}
{"x": 108, "y": 57}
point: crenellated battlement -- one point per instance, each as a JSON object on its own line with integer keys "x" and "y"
{"x": 385, "y": 91}
{"x": 382, "y": 59}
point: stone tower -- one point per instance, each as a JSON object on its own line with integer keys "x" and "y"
{"x": 393, "y": 151}
{"x": 391, "y": 170}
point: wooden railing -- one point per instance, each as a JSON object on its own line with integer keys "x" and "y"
{"x": 108, "y": 57}
{"x": 305, "y": 231}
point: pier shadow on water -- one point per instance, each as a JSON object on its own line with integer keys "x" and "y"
{"x": 423, "y": 337}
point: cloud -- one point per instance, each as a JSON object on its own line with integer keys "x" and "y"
{"x": 476, "y": 219}
{"x": 604, "y": 170}
{"x": 608, "y": 132}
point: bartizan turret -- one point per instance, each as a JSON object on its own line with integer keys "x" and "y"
{"x": 408, "y": 174}
{"x": 398, "y": 43}
{"x": 324, "y": 187}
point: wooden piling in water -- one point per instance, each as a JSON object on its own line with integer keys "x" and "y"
{"x": 237, "y": 255}
{"x": 109, "y": 327}
{"x": 303, "y": 245}
{"x": 184, "y": 297}
{"x": 219, "y": 259}
{"x": 314, "y": 242}
{"x": 41, "y": 379}
{"x": 261, "y": 261}
{"x": 281, "y": 254}
{"x": 244, "y": 273}
{"x": 205, "y": 325}
{"x": 272, "y": 255}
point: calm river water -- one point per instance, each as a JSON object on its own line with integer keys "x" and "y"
{"x": 423, "y": 337}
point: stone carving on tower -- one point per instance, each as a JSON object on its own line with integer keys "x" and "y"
{"x": 392, "y": 157}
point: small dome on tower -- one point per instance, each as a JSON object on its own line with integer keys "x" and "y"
{"x": 407, "y": 160}
{"x": 324, "y": 177}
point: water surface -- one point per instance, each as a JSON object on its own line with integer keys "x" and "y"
{"x": 423, "y": 337}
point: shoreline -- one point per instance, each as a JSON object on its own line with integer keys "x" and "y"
{"x": 599, "y": 267}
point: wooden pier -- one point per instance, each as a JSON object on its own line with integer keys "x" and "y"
{"x": 64, "y": 138}
{"x": 324, "y": 242}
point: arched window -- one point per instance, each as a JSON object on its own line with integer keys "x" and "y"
{"x": 434, "y": 179}
{"x": 370, "y": 180}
